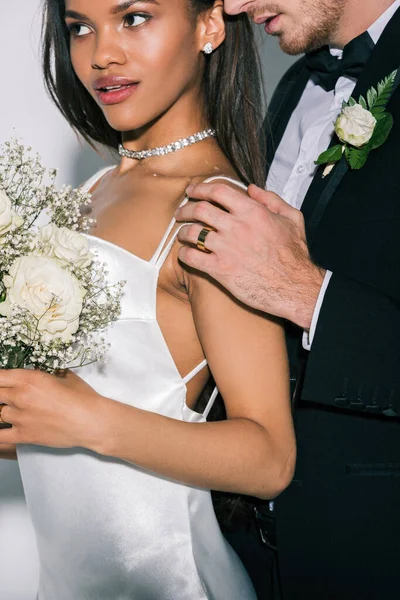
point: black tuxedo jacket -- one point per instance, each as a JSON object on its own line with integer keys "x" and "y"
{"x": 338, "y": 524}
{"x": 353, "y": 229}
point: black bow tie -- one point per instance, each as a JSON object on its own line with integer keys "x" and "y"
{"x": 327, "y": 69}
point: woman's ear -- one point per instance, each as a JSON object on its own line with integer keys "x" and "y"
{"x": 212, "y": 28}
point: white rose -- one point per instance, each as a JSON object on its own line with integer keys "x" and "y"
{"x": 52, "y": 294}
{"x": 355, "y": 125}
{"x": 8, "y": 218}
{"x": 68, "y": 246}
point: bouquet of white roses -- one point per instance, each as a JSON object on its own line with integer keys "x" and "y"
{"x": 55, "y": 300}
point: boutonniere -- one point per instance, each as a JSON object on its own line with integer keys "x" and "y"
{"x": 361, "y": 127}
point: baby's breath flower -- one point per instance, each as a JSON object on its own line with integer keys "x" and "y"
{"x": 27, "y": 190}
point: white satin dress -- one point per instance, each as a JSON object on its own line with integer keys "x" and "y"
{"x": 105, "y": 529}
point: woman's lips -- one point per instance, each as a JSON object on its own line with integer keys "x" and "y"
{"x": 115, "y": 94}
{"x": 271, "y": 26}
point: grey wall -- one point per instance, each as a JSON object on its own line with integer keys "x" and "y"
{"x": 274, "y": 61}
{"x": 26, "y": 111}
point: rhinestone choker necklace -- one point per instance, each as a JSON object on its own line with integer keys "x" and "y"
{"x": 163, "y": 150}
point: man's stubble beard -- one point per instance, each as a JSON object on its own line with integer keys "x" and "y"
{"x": 317, "y": 24}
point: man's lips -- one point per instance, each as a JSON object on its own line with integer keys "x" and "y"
{"x": 270, "y": 22}
{"x": 113, "y": 90}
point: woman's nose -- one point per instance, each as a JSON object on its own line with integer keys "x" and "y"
{"x": 108, "y": 51}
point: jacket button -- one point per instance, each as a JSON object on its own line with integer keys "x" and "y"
{"x": 342, "y": 402}
{"x": 373, "y": 408}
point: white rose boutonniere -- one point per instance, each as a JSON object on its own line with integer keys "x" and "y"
{"x": 361, "y": 127}
{"x": 355, "y": 126}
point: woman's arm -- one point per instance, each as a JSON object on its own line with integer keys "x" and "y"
{"x": 253, "y": 452}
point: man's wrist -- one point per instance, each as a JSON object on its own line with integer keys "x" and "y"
{"x": 307, "y": 297}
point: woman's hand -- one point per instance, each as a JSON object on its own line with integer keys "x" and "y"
{"x": 58, "y": 411}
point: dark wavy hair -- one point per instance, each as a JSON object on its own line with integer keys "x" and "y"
{"x": 232, "y": 88}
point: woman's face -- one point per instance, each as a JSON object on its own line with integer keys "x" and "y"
{"x": 136, "y": 58}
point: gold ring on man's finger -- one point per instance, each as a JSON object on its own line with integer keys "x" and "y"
{"x": 202, "y": 239}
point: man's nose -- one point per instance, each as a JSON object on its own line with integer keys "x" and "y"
{"x": 234, "y": 7}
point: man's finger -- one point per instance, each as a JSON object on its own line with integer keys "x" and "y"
{"x": 190, "y": 235}
{"x": 201, "y": 261}
{"x": 203, "y": 212}
{"x": 219, "y": 193}
{"x": 271, "y": 201}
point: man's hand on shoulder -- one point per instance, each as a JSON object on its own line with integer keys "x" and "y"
{"x": 258, "y": 249}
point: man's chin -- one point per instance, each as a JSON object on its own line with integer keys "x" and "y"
{"x": 291, "y": 47}
{"x": 294, "y": 46}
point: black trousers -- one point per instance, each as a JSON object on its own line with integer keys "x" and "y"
{"x": 338, "y": 523}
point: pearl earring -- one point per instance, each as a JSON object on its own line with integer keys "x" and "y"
{"x": 208, "y": 48}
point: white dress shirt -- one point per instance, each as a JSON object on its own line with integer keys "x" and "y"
{"x": 308, "y": 134}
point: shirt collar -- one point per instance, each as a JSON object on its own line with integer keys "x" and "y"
{"x": 376, "y": 29}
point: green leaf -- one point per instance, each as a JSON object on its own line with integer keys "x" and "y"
{"x": 385, "y": 88}
{"x": 357, "y": 157}
{"x": 378, "y": 112}
{"x": 372, "y": 95}
{"x": 352, "y": 102}
{"x": 389, "y": 80}
{"x": 382, "y": 131}
{"x": 332, "y": 155}
{"x": 363, "y": 102}
{"x": 16, "y": 358}
{"x": 3, "y": 291}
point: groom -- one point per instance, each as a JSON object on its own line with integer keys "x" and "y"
{"x": 332, "y": 271}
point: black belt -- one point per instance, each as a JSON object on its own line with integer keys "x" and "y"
{"x": 265, "y": 519}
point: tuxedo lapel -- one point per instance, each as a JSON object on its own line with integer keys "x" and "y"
{"x": 283, "y": 104}
{"x": 384, "y": 59}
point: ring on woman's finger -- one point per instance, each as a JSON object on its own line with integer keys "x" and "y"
{"x": 1, "y": 418}
{"x": 200, "y": 244}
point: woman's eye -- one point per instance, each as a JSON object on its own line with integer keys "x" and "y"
{"x": 79, "y": 30}
{"x": 134, "y": 19}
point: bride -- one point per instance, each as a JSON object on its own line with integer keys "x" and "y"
{"x": 116, "y": 461}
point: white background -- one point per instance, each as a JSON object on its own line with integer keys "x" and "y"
{"x": 25, "y": 111}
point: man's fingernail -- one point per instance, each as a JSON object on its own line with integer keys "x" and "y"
{"x": 189, "y": 189}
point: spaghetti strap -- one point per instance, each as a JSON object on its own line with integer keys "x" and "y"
{"x": 163, "y": 257}
{"x": 161, "y": 254}
{"x": 213, "y": 396}
{"x": 91, "y": 182}
{"x": 230, "y": 179}
{"x": 164, "y": 254}
{"x": 154, "y": 259}
{"x": 158, "y": 255}
{"x": 210, "y": 403}
{"x": 195, "y": 371}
